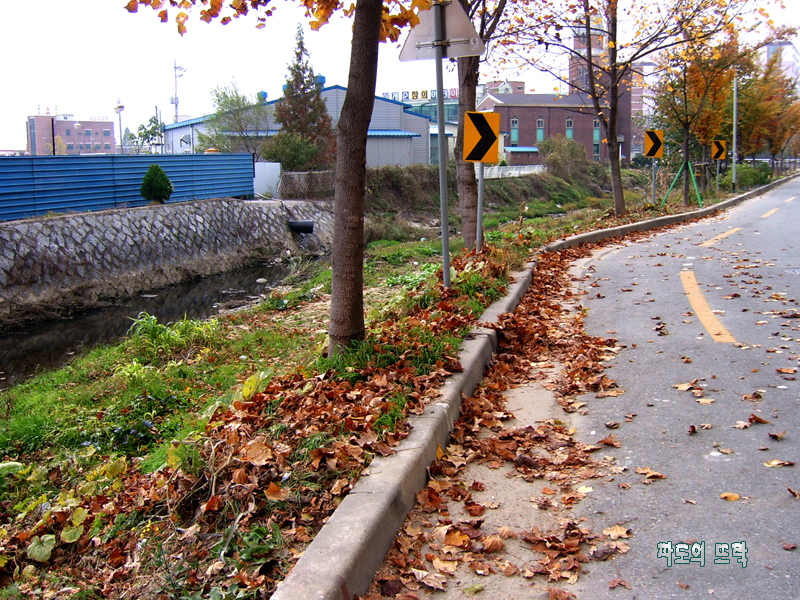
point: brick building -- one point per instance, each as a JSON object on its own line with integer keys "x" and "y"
{"x": 529, "y": 119}
{"x": 95, "y": 136}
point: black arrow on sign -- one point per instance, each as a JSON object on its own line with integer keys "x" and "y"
{"x": 719, "y": 151}
{"x": 487, "y": 137}
{"x": 655, "y": 142}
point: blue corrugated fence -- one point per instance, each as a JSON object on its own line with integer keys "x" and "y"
{"x": 32, "y": 186}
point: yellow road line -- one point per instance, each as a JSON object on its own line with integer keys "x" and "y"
{"x": 703, "y": 310}
{"x": 790, "y": 199}
{"x": 721, "y": 236}
{"x": 769, "y": 214}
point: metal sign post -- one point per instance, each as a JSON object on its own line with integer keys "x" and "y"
{"x": 430, "y": 34}
{"x": 481, "y": 145}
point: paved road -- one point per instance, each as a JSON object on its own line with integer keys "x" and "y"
{"x": 712, "y": 304}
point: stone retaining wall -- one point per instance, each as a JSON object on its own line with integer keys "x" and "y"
{"x": 79, "y": 259}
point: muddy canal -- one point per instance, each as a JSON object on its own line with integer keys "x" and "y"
{"x": 51, "y": 344}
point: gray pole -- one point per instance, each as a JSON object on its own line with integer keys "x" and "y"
{"x": 479, "y": 229}
{"x": 439, "y": 43}
{"x": 718, "y": 178}
{"x": 654, "y": 181}
{"x": 735, "y": 124}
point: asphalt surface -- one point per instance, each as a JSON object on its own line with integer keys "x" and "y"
{"x": 642, "y": 294}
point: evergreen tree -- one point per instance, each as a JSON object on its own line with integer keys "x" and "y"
{"x": 303, "y": 112}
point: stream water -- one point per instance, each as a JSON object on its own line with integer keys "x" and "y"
{"x": 51, "y": 344}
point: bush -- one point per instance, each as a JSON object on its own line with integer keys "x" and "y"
{"x": 748, "y": 176}
{"x": 156, "y": 186}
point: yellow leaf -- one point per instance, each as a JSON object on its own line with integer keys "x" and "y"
{"x": 729, "y": 497}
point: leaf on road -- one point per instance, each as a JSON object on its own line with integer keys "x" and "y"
{"x": 777, "y": 436}
{"x": 730, "y": 497}
{"x": 726, "y": 450}
{"x": 649, "y": 473}
{"x": 559, "y": 594}
{"x": 741, "y": 425}
{"x": 705, "y": 401}
{"x": 618, "y": 582}
{"x": 779, "y": 463}
{"x": 692, "y": 429}
{"x": 789, "y": 547}
{"x": 706, "y": 426}
{"x": 612, "y": 424}
{"x": 786, "y": 370}
{"x": 754, "y": 397}
{"x": 610, "y": 440}
{"x": 754, "y": 418}
{"x": 473, "y": 589}
{"x": 506, "y": 532}
{"x": 447, "y": 566}
{"x": 794, "y": 493}
{"x": 617, "y": 531}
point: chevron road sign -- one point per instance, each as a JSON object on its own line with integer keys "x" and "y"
{"x": 654, "y": 143}
{"x": 481, "y": 135}
{"x": 719, "y": 149}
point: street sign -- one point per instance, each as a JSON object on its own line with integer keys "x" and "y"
{"x": 654, "y": 143}
{"x": 481, "y": 137}
{"x": 719, "y": 149}
{"x": 462, "y": 39}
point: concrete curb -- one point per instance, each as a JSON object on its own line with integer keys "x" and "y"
{"x": 345, "y": 555}
{"x": 602, "y": 234}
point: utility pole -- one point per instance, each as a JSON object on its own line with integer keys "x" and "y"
{"x": 179, "y": 71}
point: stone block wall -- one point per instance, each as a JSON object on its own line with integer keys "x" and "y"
{"x": 75, "y": 260}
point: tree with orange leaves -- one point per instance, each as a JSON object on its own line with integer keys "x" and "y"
{"x": 615, "y": 36}
{"x": 373, "y": 21}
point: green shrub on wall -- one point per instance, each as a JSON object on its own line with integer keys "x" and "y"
{"x": 156, "y": 186}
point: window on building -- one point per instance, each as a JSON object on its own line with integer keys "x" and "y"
{"x": 68, "y": 132}
{"x": 70, "y": 146}
{"x": 596, "y": 152}
{"x": 97, "y": 146}
{"x": 596, "y": 123}
{"x": 107, "y": 146}
{"x": 540, "y": 129}
{"x": 106, "y": 133}
{"x": 87, "y": 132}
{"x": 80, "y": 146}
{"x": 570, "y": 125}
{"x": 515, "y": 131}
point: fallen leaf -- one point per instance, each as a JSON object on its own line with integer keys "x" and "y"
{"x": 493, "y": 543}
{"x": 726, "y": 450}
{"x": 692, "y": 502}
{"x": 548, "y": 491}
{"x": 612, "y": 424}
{"x": 473, "y": 589}
{"x": 777, "y": 436}
{"x": 616, "y": 532}
{"x": 754, "y": 418}
{"x": 692, "y": 429}
{"x": 752, "y": 397}
{"x": 778, "y": 463}
{"x": 446, "y": 566}
{"x": 649, "y": 473}
{"x": 741, "y": 425}
{"x": 706, "y": 426}
{"x": 610, "y": 440}
{"x": 730, "y": 497}
{"x": 789, "y": 547}
{"x": 786, "y": 370}
{"x": 559, "y": 594}
{"x": 275, "y": 493}
{"x": 705, "y": 400}
{"x": 793, "y": 492}
{"x": 618, "y": 582}
{"x": 506, "y": 532}
{"x": 683, "y": 586}
{"x": 585, "y": 489}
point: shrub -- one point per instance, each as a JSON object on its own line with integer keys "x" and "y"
{"x": 748, "y": 176}
{"x": 156, "y": 186}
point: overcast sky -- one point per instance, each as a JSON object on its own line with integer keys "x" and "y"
{"x": 79, "y": 58}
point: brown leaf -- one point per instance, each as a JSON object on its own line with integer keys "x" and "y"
{"x": 683, "y": 586}
{"x": 726, "y": 450}
{"x": 754, "y": 397}
{"x": 786, "y": 370}
{"x": 493, "y": 543}
{"x": 617, "y": 531}
{"x": 649, "y": 473}
{"x": 612, "y": 424}
{"x": 610, "y": 440}
{"x": 778, "y": 463}
{"x": 559, "y": 594}
{"x": 692, "y": 429}
{"x": 777, "y": 436}
{"x": 793, "y": 492}
{"x": 618, "y": 582}
{"x": 548, "y": 491}
{"x": 789, "y": 547}
{"x": 706, "y": 401}
{"x": 706, "y": 426}
{"x": 741, "y": 425}
{"x": 275, "y": 493}
{"x": 506, "y": 532}
{"x": 754, "y": 418}
{"x": 457, "y": 538}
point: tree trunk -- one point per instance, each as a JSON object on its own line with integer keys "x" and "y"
{"x": 465, "y": 171}
{"x": 347, "y": 294}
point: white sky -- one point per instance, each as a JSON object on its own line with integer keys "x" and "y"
{"x": 82, "y": 57}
